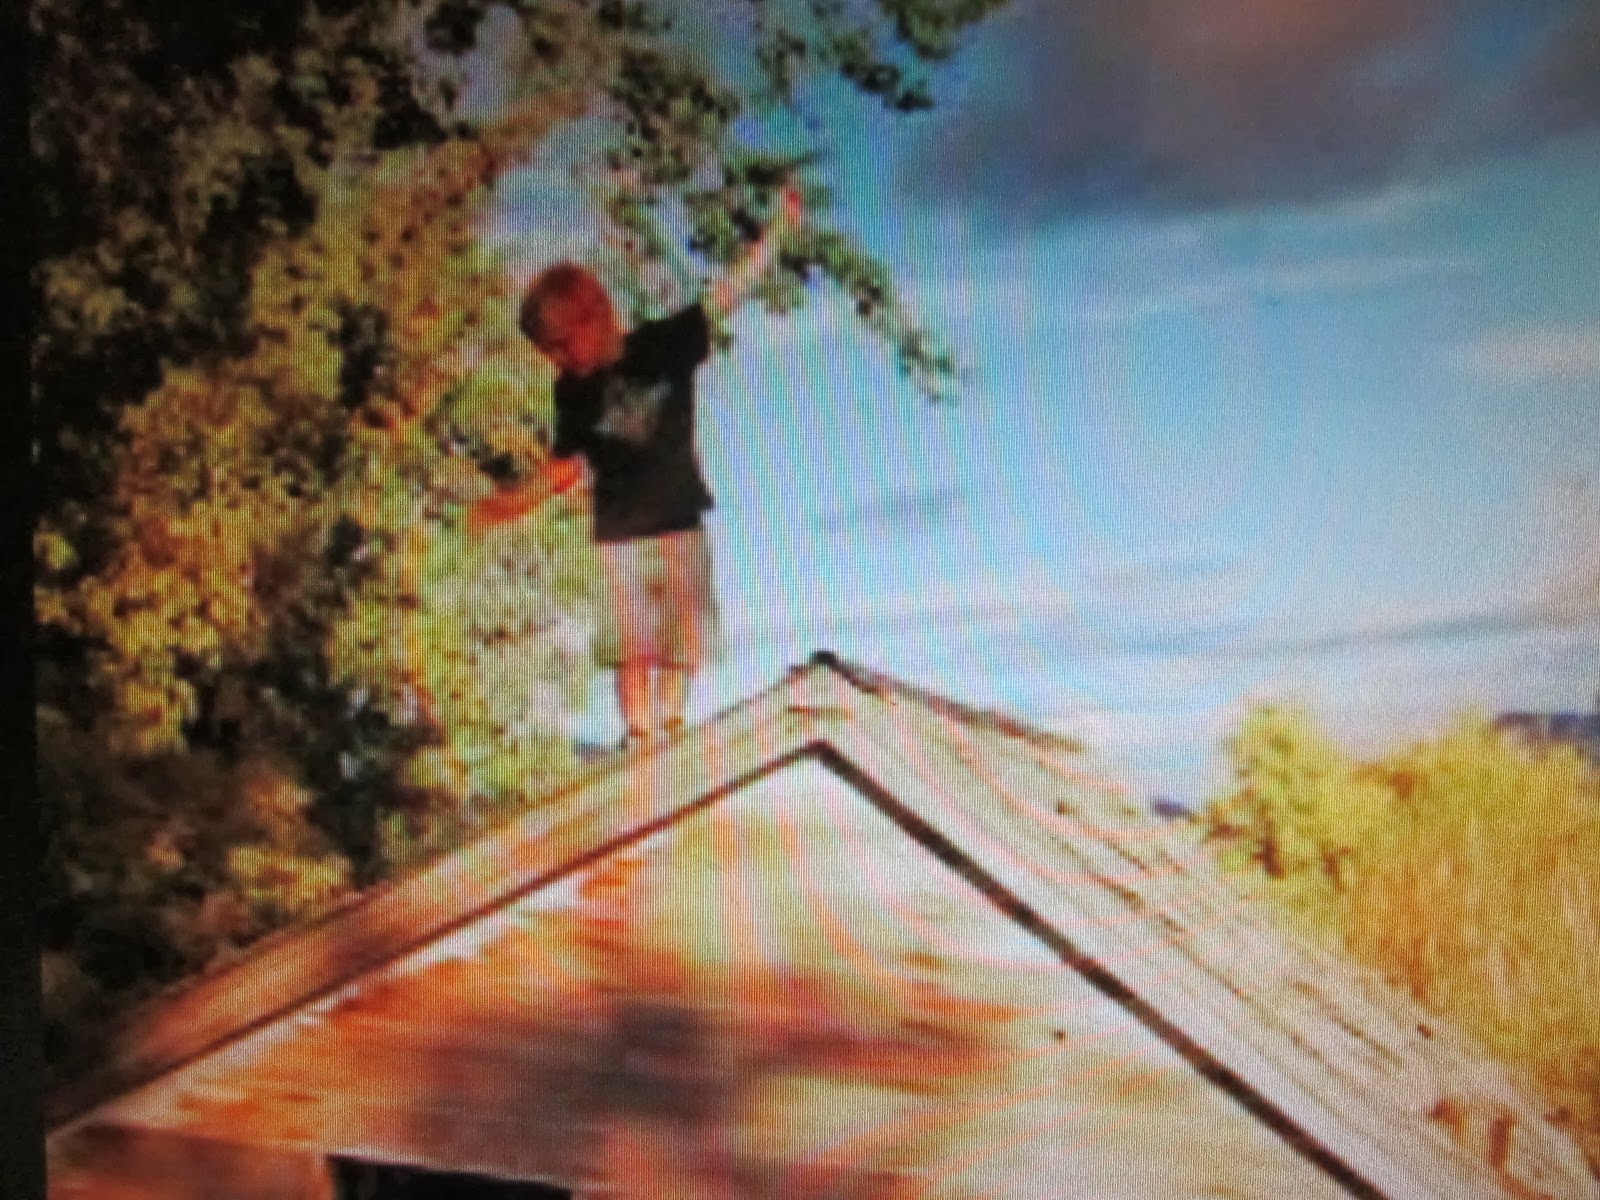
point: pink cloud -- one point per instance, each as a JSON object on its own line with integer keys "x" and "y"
{"x": 1537, "y": 354}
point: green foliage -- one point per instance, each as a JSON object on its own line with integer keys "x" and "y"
{"x": 155, "y": 871}
{"x": 168, "y": 151}
{"x": 684, "y": 160}
{"x": 272, "y": 368}
{"x": 1302, "y": 809}
{"x": 882, "y": 54}
{"x": 281, "y": 578}
{"x": 1461, "y": 867}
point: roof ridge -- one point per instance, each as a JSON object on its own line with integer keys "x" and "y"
{"x": 586, "y": 775}
{"x": 875, "y": 682}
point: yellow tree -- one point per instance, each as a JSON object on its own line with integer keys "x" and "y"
{"x": 1461, "y": 867}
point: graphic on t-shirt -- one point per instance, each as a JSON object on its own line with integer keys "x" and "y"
{"x": 631, "y": 409}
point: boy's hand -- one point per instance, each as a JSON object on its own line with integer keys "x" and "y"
{"x": 503, "y": 505}
{"x": 563, "y": 474}
{"x": 727, "y": 293}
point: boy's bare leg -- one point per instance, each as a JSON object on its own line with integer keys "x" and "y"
{"x": 635, "y": 700}
{"x": 633, "y": 697}
{"x": 683, "y": 561}
{"x": 672, "y": 695}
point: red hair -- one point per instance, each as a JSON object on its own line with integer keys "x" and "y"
{"x": 561, "y": 295}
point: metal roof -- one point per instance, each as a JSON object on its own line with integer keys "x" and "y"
{"x": 1355, "y": 1078}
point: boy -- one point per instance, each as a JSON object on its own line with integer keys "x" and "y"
{"x": 625, "y": 419}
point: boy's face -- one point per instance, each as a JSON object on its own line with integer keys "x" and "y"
{"x": 580, "y": 343}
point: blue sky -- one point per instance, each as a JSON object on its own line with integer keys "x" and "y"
{"x": 1340, "y": 449}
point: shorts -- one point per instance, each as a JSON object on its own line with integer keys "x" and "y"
{"x": 663, "y": 610}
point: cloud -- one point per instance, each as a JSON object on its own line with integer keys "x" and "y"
{"x": 1562, "y": 91}
{"x": 1349, "y": 273}
{"x": 978, "y": 606}
{"x": 1391, "y": 204}
{"x": 1555, "y": 589}
{"x": 1535, "y": 355}
{"x": 899, "y": 512}
{"x": 1170, "y": 104}
{"x": 1177, "y": 566}
{"x": 1564, "y": 528}
{"x": 1489, "y": 619}
{"x": 1176, "y": 620}
{"x": 1199, "y": 286}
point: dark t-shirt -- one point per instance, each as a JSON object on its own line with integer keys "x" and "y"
{"x": 634, "y": 423}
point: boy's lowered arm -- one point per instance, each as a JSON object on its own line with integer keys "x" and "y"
{"x": 725, "y": 293}
{"x": 553, "y": 477}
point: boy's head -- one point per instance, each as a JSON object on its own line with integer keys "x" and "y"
{"x": 567, "y": 314}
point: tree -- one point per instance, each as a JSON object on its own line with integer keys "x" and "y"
{"x": 1301, "y": 808}
{"x": 1462, "y": 868}
{"x": 272, "y": 367}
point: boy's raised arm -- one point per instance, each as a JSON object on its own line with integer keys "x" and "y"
{"x": 725, "y": 293}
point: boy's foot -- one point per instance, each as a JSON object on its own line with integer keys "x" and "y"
{"x": 635, "y": 740}
{"x": 671, "y": 729}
